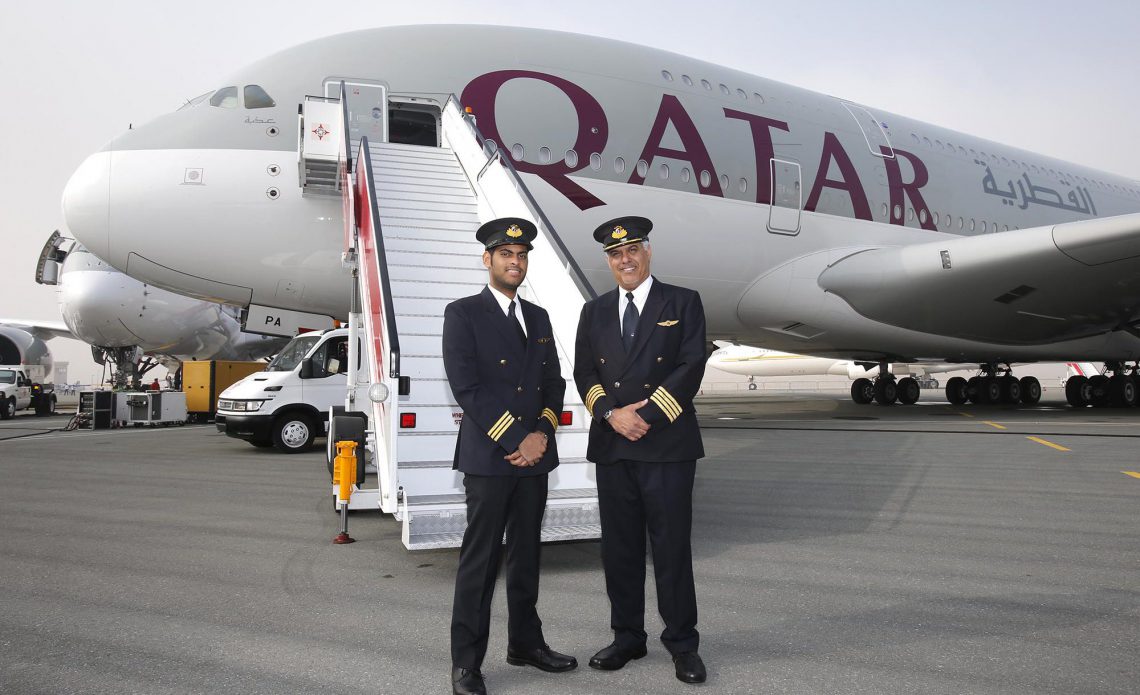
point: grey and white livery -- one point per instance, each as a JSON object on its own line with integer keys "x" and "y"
{"x": 809, "y": 224}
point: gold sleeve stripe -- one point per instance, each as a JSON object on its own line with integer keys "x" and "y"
{"x": 501, "y": 426}
{"x": 549, "y": 415}
{"x": 664, "y": 406}
{"x": 596, "y": 391}
{"x": 669, "y": 397}
{"x": 667, "y": 403}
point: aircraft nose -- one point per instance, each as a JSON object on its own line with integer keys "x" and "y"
{"x": 87, "y": 203}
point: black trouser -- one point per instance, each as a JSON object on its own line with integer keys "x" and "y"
{"x": 496, "y": 504}
{"x": 634, "y": 496}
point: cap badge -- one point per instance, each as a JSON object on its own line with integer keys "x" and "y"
{"x": 514, "y": 232}
{"x": 619, "y": 232}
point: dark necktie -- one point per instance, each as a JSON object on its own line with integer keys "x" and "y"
{"x": 518, "y": 326}
{"x": 629, "y": 322}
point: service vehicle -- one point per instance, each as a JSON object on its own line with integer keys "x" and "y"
{"x": 287, "y": 404}
{"x": 22, "y": 387}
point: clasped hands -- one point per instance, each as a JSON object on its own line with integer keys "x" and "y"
{"x": 530, "y": 451}
{"x": 627, "y": 422}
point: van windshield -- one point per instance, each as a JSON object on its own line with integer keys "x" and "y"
{"x": 292, "y": 354}
{"x": 7, "y": 376}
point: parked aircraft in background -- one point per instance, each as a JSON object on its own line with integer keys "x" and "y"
{"x": 127, "y": 322}
{"x": 755, "y": 362}
{"x": 809, "y": 223}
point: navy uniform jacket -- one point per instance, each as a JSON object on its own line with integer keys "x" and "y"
{"x": 665, "y": 365}
{"x": 505, "y": 392}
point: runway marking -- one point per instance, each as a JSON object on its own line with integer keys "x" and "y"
{"x": 994, "y": 424}
{"x": 1058, "y": 447}
{"x": 1134, "y": 474}
{"x": 965, "y": 414}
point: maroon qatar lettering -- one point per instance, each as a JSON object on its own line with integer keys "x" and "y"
{"x": 901, "y": 190}
{"x": 695, "y": 152}
{"x": 764, "y": 148}
{"x": 593, "y": 129}
{"x": 833, "y": 152}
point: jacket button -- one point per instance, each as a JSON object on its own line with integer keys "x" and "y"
{"x": 602, "y": 360}
{"x": 519, "y": 389}
{"x": 660, "y": 359}
{"x": 647, "y": 386}
{"x": 502, "y": 362}
{"x": 617, "y": 384}
{"x": 518, "y": 419}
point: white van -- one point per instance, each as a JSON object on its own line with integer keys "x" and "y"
{"x": 287, "y": 405}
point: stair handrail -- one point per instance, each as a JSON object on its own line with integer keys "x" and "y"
{"x": 346, "y": 141}
{"x": 560, "y": 249}
{"x": 368, "y": 197}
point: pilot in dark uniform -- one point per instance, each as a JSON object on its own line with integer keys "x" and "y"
{"x": 501, "y": 362}
{"x": 638, "y": 362}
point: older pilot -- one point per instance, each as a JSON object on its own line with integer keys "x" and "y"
{"x": 638, "y": 361}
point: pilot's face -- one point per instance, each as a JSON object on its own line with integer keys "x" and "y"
{"x": 507, "y": 264}
{"x": 630, "y": 264}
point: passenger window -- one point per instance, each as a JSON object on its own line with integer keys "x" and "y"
{"x": 225, "y": 98}
{"x": 257, "y": 98}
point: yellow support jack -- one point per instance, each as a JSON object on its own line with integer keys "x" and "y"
{"x": 344, "y": 475}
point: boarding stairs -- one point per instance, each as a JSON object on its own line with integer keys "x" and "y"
{"x": 410, "y": 240}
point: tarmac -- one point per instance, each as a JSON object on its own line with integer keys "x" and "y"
{"x": 837, "y": 549}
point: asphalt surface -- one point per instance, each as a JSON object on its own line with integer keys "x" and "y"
{"x": 838, "y": 549}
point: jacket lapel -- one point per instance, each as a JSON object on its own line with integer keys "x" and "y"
{"x": 608, "y": 326}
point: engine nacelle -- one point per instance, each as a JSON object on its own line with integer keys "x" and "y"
{"x": 17, "y": 346}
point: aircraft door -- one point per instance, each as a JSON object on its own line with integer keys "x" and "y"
{"x": 873, "y": 131}
{"x": 787, "y": 198}
{"x": 367, "y": 108}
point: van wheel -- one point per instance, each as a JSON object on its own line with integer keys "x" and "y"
{"x": 9, "y": 410}
{"x": 293, "y": 432}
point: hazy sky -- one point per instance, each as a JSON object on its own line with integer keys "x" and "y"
{"x": 1057, "y": 78}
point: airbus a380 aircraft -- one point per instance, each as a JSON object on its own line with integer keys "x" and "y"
{"x": 808, "y": 223}
{"x": 125, "y": 321}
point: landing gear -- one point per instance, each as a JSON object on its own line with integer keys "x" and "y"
{"x": 1117, "y": 387}
{"x": 995, "y": 384}
{"x": 884, "y": 390}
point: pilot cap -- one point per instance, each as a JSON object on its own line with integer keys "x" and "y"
{"x": 621, "y": 231}
{"x": 507, "y": 230}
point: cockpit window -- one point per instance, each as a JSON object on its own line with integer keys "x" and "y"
{"x": 195, "y": 101}
{"x": 257, "y": 98}
{"x": 226, "y": 98}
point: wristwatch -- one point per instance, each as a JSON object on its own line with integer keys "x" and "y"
{"x": 608, "y": 414}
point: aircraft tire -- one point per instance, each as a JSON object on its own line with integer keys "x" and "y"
{"x": 886, "y": 392}
{"x": 293, "y": 432}
{"x": 908, "y": 391}
{"x": 1123, "y": 391}
{"x": 1076, "y": 391}
{"x": 974, "y": 389}
{"x": 1030, "y": 390}
{"x": 1010, "y": 389}
{"x": 956, "y": 391}
{"x": 1100, "y": 387}
{"x": 989, "y": 390}
{"x": 862, "y": 391}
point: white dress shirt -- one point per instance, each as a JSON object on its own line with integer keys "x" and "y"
{"x": 505, "y": 304}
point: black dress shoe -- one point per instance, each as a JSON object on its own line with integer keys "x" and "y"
{"x": 467, "y": 681}
{"x": 614, "y": 657}
{"x": 690, "y": 668}
{"x": 542, "y": 657}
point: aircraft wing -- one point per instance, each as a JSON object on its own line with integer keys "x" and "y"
{"x": 1025, "y": 287}
{"x": 44, "y": 330}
